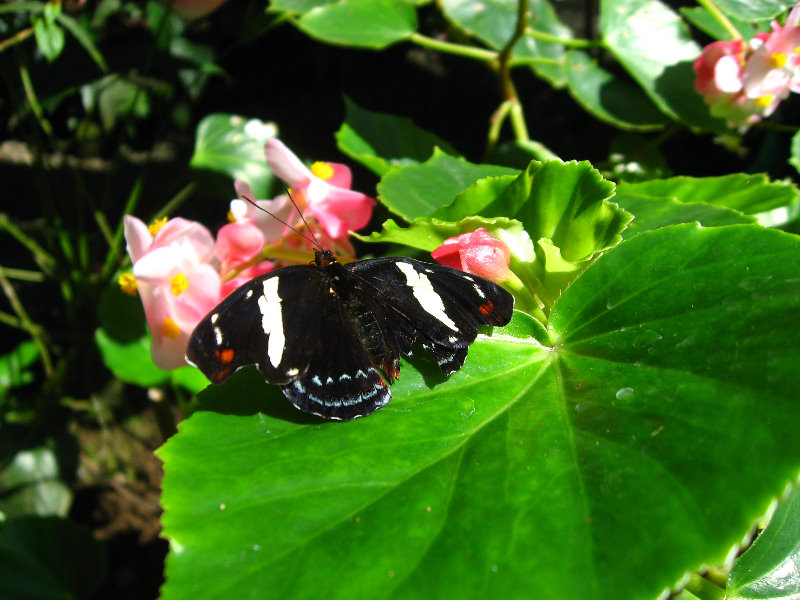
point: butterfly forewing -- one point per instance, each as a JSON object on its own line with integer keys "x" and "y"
{"x": 249, "y": 327}
{"x": 436, "y": 306}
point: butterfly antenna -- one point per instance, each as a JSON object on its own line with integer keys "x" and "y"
{"x": 309, "y": 238}
{"x": 302, "y": 218}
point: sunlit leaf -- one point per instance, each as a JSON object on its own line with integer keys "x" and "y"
{"x": 651, "y": 424}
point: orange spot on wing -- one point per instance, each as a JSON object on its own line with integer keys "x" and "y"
{"x": 486, "y": 308}
{"x": 225, "y": 356}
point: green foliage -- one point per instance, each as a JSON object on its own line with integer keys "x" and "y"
{"x": 631, "y": 424}
{"x": 769, "y": 567}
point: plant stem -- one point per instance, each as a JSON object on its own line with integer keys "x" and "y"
{"x": 569, "y": 42}
{"x": 703, "y": 588}
{"x": 26, "y": 323}
{"x": 40, "y": 255}
{"x": 33, "y": 101}
{"x": 721, "y": 18}
{"x": 176, "y": 200}
{"x": 451, "y": 48}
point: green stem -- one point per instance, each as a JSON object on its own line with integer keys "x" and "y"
{"x": 451, "y": 48}
{"x": 24, "y": 274}
{"x": 569, "y": 42}
{"x": 704, "y": 589}
{"x": 40, "y": 255}
{"x": 33, "y": 100}
{"x": 25, "y": 321}
{"x": 721, "y": 18}
{"x": 518, "y": 122}
{"x": 496, "y": 123}
{"x": 176, "y": 201}
{"x": 17, "y": 38}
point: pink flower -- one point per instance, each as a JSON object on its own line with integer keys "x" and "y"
{"x": 176, "y": 281}
{"x": 773, "y": 70}
{"x": 745, "y": 82}
{"x": 478, "y": 253}
{"x": 324, "y": 190}
{"x": 719, "y": 68}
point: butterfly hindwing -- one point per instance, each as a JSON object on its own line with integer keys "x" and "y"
{"x": 341, "y": 382}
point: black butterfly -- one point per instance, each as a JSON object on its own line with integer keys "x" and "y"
{"x": 331, "y": 335}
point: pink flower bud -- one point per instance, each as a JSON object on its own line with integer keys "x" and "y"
{"x": 478, "y": 253}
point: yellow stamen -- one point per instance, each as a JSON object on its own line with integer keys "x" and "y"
{"x": 179, "y": 283}
{"x": 322, "y": 170}
{"x": 170, "y": 328}
{"x": 127, "y": 283}
{"x": 778, "y": 60}
{"x": 231, "y": 218}
{"x": 156, "y": 226}
{"x": 764, "y": 101}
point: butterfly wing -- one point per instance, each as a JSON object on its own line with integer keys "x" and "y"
{"x": 436, "y": 306}
{"x": 271, "y": 322}
{"x": 341, "y": 382}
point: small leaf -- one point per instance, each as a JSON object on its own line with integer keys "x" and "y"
{"x": 429, "y": 235}
{"x": 769, "y": 568}
{"x": 49, "y": 558}
{"x": 608, "y": 98}
{"x": 366, "y": 23}
{"x": 14, "y": 365}
{"x": 746, "y": 193}
{"x": 380, "y": 141}
{"x": 420, "y": 190}
{"x": 49, "y": 37}
{"x": 130, "y": 361}
{"x": 234, "y": 146}
{"x": 31, "y": 485}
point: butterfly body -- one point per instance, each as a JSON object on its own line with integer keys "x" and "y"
{"x": 331, "y": 335}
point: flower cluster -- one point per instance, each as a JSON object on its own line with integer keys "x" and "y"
{"x": 181, "y": 272}
{"x": 745, "y": 81}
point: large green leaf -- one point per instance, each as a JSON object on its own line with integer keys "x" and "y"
{"x": 639, "y": 438}
{"x": 750, "y": 194}
{"x": 754, "y": 10}
{"x": 654, "y": 213}
{"x": 367, "y": 23}
{"x": 380, "y": 141}
{"x": 234, "y": 146}
{"x": 608, "y": 98}
{"x": 653, "y": 44}
{"x": 565, "y": 203}
{"x": 769, "y": 569}
{"x": 419, "y": 190}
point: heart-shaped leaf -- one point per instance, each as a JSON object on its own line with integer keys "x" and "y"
{"x": 380, "y": 141}
{"x": 650, "y": 425}
{"x": 366, "y": 23}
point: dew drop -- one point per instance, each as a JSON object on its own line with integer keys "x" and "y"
{"x": 625, "y": 393}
